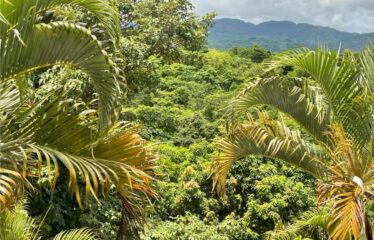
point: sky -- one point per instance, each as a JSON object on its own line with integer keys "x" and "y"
{"x": 345, "y": 15}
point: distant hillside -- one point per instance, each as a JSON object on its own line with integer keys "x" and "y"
{"x": 281, "y": 35}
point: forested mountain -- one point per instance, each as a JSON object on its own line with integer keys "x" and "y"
{"x": 281, "y": 35}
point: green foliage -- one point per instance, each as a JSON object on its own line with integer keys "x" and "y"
{"x": 64, "y": 212}
{"x": 157, "y": 31}
{"x": 260, "y": 193}
{"x": 48, "y": 133}
{"x": 78, "y": 234}
{"x": 183, "y": 111}
{"x": 15, "y": 224}
{"x": 256, "y": 53}
{"x": 334, "y": 135}
{"x": 176, "y": 90}
{"x": 311, "y": 224}
{"x": 183, "y": 107}
{"x": 191, "y": 227}
{"x": 183, "y": 227}
{"x": 164, "y": 28}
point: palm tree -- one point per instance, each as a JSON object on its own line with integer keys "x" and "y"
{"x": 42, "y": 136}
{"x": 28, "y": 44}
{"x": 333, "y": 139}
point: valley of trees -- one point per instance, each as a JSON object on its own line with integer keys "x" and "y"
{"x": 118, "y": 122}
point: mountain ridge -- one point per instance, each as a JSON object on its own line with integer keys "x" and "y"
{"x": 281, "y": 35}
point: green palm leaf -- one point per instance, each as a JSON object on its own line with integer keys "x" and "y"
{"x": 311, "y": 223}
{"x": 339, "y": 80}
{"x": 335, "y": 106}
{"x": 272, "y": 139}
{"x": 12, "y": 13}
{"x": 302, "y": 102}
{"x": 56, "y": 132}
{"x": 65, "y": 132}
{"x": 9, "y": 98}
{"x": 68, "y": 44}
{"x": 106, "y": 12}
{"x": 77, "y": 234}
{"x": 15, "y": 224}
{"x": 26, "y": 46}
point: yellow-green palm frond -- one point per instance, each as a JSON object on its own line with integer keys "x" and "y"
{"x": 347, "y": 216}
{"x": 367, "y": 62}
{"x": 26, "y": 46}
{"x": 63, "y": 133}
{"x": 311, "y": 224}
{"x": 68, "y": 44}
{"x": 12, "y": 13}
{"x": 9, "y": 98}
{"x": 337, "y": 88}
{"x": 348, "y": 189}
{"x": 76, "y": 234}
{"x": 295, "y": 97}
{"x": 339, "y": 80}
{"x": 105, "y": 11}
{"x": 268, "y": 138}
{"x": 15, "y": 224}
{"x": 282, "y": 232}
{"x": 348, "y": 161}
{"x": 11, "y": 186}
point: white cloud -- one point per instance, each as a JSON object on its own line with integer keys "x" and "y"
{"x": 346, "y": 15}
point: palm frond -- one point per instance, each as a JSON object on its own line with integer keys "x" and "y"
{"x": 347, "y": 216}
{"x": 65, "y": 133}
{"x": 282, "y": 232}
{"x": 26, "y": 46}
{"x": 367, "y": 62}
{"x": 16, "y": 224}
{"x": 11, "y": 184}
{"x": 9, "y": 98}
{"x": 311, "y": 223}
{"x": 339, "y": 80}
{"x": 12, "y": 14}
{"x": 68, "y": 44}
{"x": 271, "y": 139}
{"x": 302, "y": 102}
{"x": 106, "y": 12}
{"x": 347, "y": 190}
{"x": 54, "y": 133}
{"x": 77, "y": 234}
{"x": 340, "y": 88}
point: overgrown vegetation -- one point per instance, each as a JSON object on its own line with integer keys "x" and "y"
{"x": 166, "y": 101}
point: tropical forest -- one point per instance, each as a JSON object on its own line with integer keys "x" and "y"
{"x": 166, "y": 120}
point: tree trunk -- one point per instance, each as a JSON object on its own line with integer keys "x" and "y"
{"x": 129, "y": 227}
{"x": 122, "y": 229}
{"x": 368, "y": 229}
